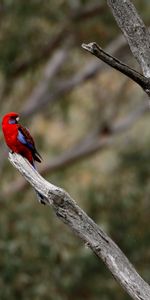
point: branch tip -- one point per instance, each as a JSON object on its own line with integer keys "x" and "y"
{"x": 89, "y": 47}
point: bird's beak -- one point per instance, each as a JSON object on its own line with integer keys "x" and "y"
{"x": 17, "y": 119}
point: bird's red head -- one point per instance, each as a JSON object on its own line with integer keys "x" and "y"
{"x": 10, "y": 118}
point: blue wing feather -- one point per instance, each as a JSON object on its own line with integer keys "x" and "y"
{"x": 21, "y": 137}
{"x": 26, "y": 139}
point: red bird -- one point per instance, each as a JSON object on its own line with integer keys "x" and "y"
{"x": 19, "y": 140}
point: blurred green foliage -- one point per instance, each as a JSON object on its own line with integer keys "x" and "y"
{"x": 39, "y": 257}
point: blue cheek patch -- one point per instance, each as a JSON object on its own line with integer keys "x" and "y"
{"x": 12, "y": 121}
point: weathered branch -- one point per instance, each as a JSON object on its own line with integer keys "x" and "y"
{"x": 115, "y": 63}
{"x": 134, "y": 30}
{"x": 84, "y": 227}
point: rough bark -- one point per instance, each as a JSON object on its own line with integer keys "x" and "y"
{"x": 84, "y": 227}
{"x": 134, "y": 30}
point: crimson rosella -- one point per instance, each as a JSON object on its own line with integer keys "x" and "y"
{"x": 19, "y": 140}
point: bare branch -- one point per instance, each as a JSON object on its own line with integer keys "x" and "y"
{"x": 85, "y": 228}
{"x": 96, "y": 50}
{"x": 136, "y": 33}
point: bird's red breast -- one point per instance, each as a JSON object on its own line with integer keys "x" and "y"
{"x": 10, "y": 132}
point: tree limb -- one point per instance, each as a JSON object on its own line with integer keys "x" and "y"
{"x": 84, "y": 227}
{"x": 134, "y": 30}
{"x": 115, "y": 63}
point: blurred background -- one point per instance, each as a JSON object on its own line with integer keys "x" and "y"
{"x": 91, "y": 126}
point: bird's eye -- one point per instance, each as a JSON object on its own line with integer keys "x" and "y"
{"x": 17, "y": 119}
